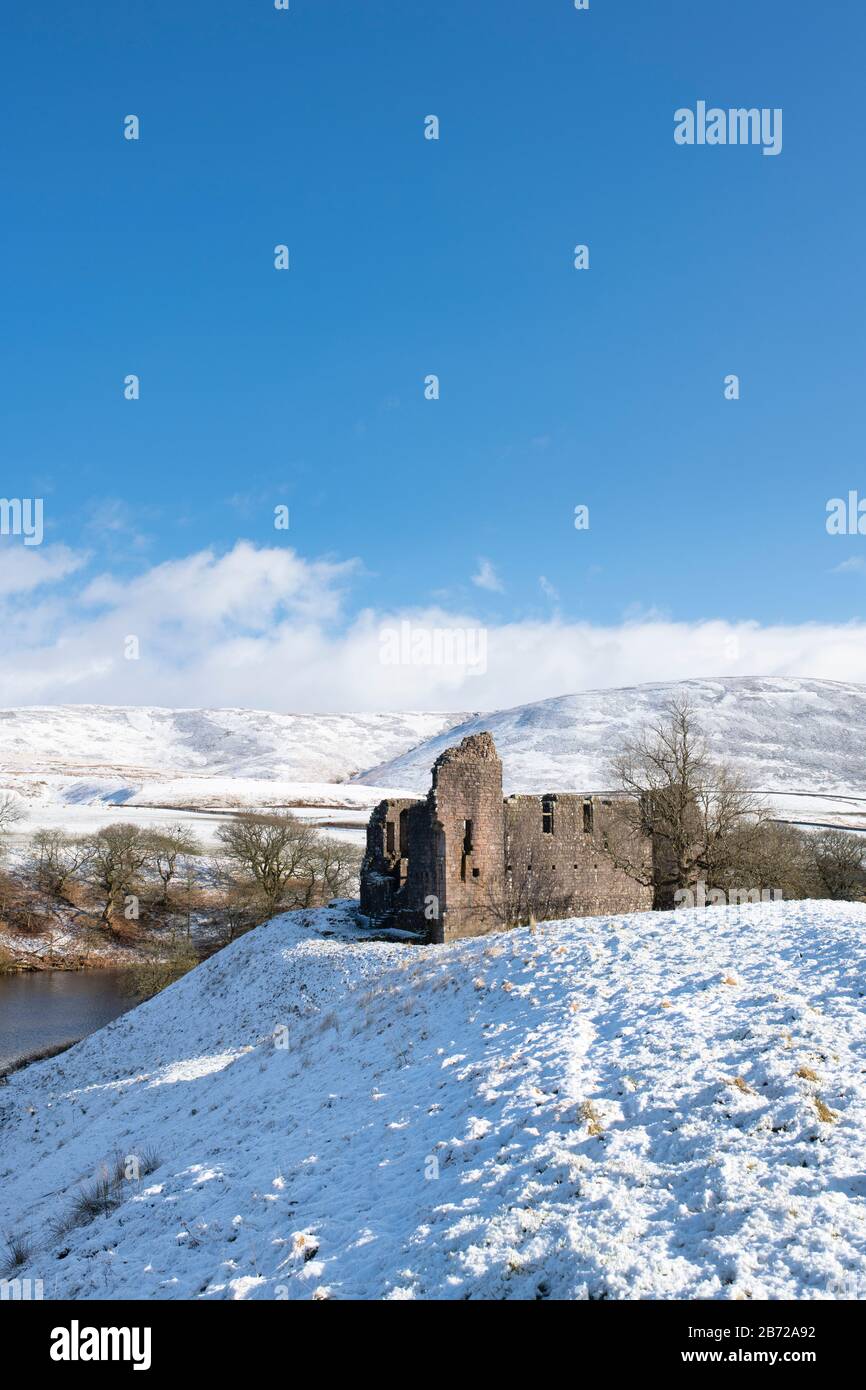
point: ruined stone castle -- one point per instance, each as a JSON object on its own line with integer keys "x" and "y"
{"x": 465, "y": 861}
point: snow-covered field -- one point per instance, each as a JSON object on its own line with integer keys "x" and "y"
{"x": 663, "y": 1105}
{"x": 329, "y": 806}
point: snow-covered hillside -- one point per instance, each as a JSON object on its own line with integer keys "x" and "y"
{"x": 667, "y": 1105}
{"x": 802, "y": 740}
{"x": 150, "y": 743}
{"x": 74, "y": 766}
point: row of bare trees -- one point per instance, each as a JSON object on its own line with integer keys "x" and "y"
{"x": 119, "y": 862}
{"x": 274, "y": 863}
{"x": 265, "y": 864}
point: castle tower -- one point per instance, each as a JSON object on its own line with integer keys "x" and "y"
{"x": 466, "y": 811}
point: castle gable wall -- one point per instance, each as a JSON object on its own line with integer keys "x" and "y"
{"x": 466, "y": 813}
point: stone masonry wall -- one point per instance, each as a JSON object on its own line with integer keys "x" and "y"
{"x": 555, "y": 864}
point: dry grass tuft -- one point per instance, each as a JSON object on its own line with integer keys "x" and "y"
{"x": 18, "y": 1253}
{"x": 742, "y": 1085}
{"x": 808, "y": 1074}
{"x": 825, "y": 1114}
{"x": 589, "y": 1113}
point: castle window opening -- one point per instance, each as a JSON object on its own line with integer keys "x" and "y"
{"x": 587, "y": 817}
{"x": 547, "y": 803}
{"x": 389, "y": 837}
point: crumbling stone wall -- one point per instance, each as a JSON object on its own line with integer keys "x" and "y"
{"x": 463, "y": 862}
{"x": 385, "y": 866}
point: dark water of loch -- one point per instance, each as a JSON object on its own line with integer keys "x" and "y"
{"x": 39, "y": 1009}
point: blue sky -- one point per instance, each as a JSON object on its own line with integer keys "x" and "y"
{"x": 411, "y": 257}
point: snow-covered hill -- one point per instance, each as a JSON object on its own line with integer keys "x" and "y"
{"x": 804, "y": 741}
{"x": 667, "y": 1105}
{"x": 83, "y": 741}
{"x": 75, "y": 766}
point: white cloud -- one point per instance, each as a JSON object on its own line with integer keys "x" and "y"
{"x": 266, "y": 628}
{"x": 209, "y": 630}
{"x": 251, "y": 587}
{"x": 549, "y": 590}
{"x": 25, "y": 568}
{"x": 487, "y": 578}
{"x": 528, "y": 661}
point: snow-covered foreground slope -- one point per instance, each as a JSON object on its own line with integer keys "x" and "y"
{"x": 786, "y": 735}
{"x": 623, "y": 1107}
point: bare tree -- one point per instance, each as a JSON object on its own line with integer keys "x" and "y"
{"x": 689, "y": 803}
{"x": 240, "y": 902}
{"x": 56, "y": 858}
{"x": 189, "y": 876}
{"x": 119, "y": 853}
{"x": 769, "y": 857}
{"x": 335, "y": 865}
{"x": 268, "y": 853}
{"x": 11, "y": 812}
{"x": 271, "y": 863}
{"x": 728, "y": 813}
{"x": 168, "y": 846}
